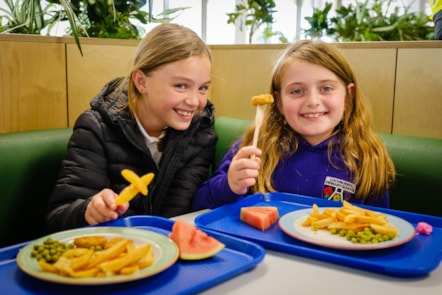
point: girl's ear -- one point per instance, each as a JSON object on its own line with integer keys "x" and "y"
{"x": 351, "y": 90}
{"x": 139, "y": 80}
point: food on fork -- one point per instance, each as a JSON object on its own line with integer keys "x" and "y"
{"x": 137, "y": 185}
{"x": 260, "y": 217}
{"x": 262, "y": 99}
{"x": 259, "y": 101}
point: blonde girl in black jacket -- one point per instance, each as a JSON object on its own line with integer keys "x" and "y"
{"x": 157, "y": 119}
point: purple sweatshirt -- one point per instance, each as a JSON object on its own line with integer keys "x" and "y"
{"x": 307, "y": 172}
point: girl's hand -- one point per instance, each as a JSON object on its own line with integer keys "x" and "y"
{"x": 102, "y": 208}
{"x": 243, "y": 170}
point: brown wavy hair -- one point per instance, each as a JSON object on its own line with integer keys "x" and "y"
{"x": 363, "y": 152}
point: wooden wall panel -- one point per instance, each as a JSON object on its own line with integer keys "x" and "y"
{"x": 32, "y": 86}
{"x": 240, "y": 72}
{"x": 375, "y": 70}
{"x": 418, "y": 101}
{"x": 87, "y": 74}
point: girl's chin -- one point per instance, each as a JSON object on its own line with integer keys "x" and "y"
{"x": 315, "y": 138}
{"x": 180, "y": 125}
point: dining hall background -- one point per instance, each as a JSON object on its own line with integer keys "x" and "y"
{"x": 46, "y": 83}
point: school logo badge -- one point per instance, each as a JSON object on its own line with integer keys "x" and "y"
{"x": 337, "y": 189}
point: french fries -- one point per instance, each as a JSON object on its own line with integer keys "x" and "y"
{"x": 120, "y": 256}
{"x": 351, "y": 218}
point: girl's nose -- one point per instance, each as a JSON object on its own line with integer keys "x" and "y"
{"x": 193, "y": 99}
{"x": 313, "y": 98}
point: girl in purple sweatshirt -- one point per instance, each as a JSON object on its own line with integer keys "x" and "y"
{"x": 316, "y": 139}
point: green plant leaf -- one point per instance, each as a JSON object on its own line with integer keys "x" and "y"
{"x": 258, "y": 12}
{"x": 370, "y": 20}
{"x": 72, "y": 21}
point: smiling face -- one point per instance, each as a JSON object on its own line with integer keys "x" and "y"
{"x": 172, "y": 94}
{"x": 312, "y": 99}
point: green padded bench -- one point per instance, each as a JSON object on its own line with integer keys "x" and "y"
{"x": 29, "y": 166}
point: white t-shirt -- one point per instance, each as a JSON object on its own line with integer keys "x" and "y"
{"x": 151, "y": 142}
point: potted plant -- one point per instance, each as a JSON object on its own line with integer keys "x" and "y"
{"x": 32, "y": 16}
{"x": 373, "y": 20}
{"x": 256, "y": 12}
{"x": 98, "y": 18}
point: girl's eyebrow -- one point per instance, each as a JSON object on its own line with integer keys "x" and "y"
{"x": 329, "y": 81}
{"x": 299, "y": 83}
{"x": 295, "y": 83}
{"x": 182, "y": 78}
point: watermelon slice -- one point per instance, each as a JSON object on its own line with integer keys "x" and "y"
{"x": 193, "y": 243}
{"x": 260, "y": 217}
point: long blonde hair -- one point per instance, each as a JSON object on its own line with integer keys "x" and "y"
{"x": 165, "y": 43}
{"x": 363, "y": 152}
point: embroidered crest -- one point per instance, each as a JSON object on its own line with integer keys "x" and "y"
{"x": 337, "y": 189}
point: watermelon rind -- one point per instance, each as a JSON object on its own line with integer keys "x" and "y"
{"x": 208, "y": 254}
{"x": 194, "y": 244}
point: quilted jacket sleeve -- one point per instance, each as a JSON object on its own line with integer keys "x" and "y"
{"x": 82, "y": 175}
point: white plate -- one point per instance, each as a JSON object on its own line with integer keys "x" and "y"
{"x": 291, "y": 224}
{"x": 165, "y": 254}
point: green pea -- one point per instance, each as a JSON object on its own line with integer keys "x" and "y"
{"x": 50, "y": 250}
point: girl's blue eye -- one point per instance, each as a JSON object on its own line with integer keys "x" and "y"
{"x": 297, "y": 91}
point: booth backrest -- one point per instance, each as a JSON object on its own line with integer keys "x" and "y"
{"x": 29, "y": 166}
{"x": 418, "y": 163}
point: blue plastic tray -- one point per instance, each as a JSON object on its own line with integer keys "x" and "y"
{"x": 416, "y": 258}
{"x": 184, "y": 277}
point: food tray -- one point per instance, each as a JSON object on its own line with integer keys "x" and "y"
{"x": 184, "y": 277}
{"x": 417, "y": 257}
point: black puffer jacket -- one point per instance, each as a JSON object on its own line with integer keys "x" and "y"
{"x": 106, "y": 139}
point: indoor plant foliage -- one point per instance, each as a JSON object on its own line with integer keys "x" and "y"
{"x": 108, "y": 19}
{"x": 320, "y": 25}
{"x": 370, "y": 21}
{"x": 86, "y": 18}
{"x": 257, "y": 13}
{"x": 116, "y": 18}
{"x": 32, "y": 16}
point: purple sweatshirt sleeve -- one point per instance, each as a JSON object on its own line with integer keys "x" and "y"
{"x": 216, "y": 191}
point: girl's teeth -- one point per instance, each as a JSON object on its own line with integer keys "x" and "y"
{"x": 184, "y": 113}
{"x": 312, "y": 115}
